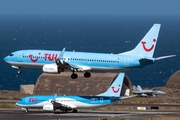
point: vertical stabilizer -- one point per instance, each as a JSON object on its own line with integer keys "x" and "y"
{"x": 135, "y": 88}
{"x": 115, "y": 89}
{"x": 139, "y": 88}
{"x": 146, "y": 46}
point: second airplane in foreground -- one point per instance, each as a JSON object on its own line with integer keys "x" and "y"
{"x": 59, "y": 61}
{"x": 114, "y": 94}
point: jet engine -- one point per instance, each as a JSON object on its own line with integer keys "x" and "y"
{"x": 48, "y": 108}
{"x": 52, "y": 68}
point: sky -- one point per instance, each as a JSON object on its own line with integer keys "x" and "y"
{"x": 91, "y": 7}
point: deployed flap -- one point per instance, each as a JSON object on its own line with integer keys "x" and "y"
{"x": 60, "y": 105}
{"x": 81, "y": 68}
{"x": 63, "y": 64}
{"x": 78, "y": 67}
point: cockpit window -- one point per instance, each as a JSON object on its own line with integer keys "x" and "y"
{"x": 11, "y": 54}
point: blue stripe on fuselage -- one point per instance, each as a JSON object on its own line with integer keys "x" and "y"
{"x": 32, "y": 100}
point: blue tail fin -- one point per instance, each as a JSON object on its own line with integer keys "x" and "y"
{"x": 115, "y": 89}
{"x": 147, "y": 45}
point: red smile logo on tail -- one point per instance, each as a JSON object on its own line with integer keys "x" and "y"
{"x": 148, "y": 49}
{"x": 115, "y": 91}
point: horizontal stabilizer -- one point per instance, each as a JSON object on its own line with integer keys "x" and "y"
{"x": 163, "y": 57}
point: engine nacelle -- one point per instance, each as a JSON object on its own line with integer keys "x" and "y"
{"x": 48, "y": 108}
{"x": 51, "y": 68}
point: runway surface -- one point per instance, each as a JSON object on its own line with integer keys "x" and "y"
{"x": 81, "y": 115}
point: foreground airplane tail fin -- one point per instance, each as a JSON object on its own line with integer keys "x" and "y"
{"x": 147, "y": 45}
{"x": 115, "y": 89}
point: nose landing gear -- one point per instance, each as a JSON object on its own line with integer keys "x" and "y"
{"x": 19, "y": 71}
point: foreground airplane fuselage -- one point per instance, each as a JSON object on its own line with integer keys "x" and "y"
{"x": 66, "y": 103}
{"x": 59, "y": 61}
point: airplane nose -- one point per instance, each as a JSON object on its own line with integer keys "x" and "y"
{"x": 5, "y": 58}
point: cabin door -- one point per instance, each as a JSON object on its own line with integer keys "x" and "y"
{"x": 126, "y": 62}
{"x": 20, "y": 56}
{"x": 101, "y": 100}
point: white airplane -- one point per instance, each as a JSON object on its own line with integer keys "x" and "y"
{"x": 72, "y": 103}
{"x": 144, "y": 93}
{"x": 59, "y": 61}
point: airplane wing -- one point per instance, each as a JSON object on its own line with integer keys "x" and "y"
{"x": 63, "y": 64}
{"x": 77, "y": 67}
{"x": 61, "y": 106}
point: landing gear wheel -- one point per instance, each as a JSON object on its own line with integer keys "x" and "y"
{"x": 87, "y": 74}
{"x": 65, "y": 111}
{"x": 74, "y": 111}
{"x": 27, "y": 110}
{"x": 19, "y": 71}
{"x": 74, "y": 76}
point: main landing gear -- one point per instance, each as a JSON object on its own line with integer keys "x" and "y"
{"x": 26, "y": 110}
{"x": 75, "y": 76}
{"x": 74, "y": 111}
{"x": 87, "y": 74}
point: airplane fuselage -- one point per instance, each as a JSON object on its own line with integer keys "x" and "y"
{"x": 59, "y": 61}
{"x": 98, "y": 62}
{"x": 67, "y": 101}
